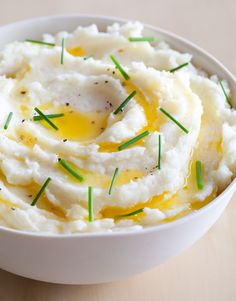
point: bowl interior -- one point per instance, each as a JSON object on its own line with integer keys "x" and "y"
{"x": 35, "y": 28}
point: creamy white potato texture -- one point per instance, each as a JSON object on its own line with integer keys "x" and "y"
{"x": 156, "y": 180}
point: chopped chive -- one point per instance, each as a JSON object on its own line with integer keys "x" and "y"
{"x": 40, "y": 42}
{"x": 50, "y": 116}
{"x": 87, "y": 57}
{"x": 141, "y": 39}
{"x": 179, "y": 67}
{"x": 124, "y": 103}
{"x": 40, "y": 192}
{"x": 70, "y": 169}
{"x": 90, "y": 203}
{"x": 44, "y": 117}
{"x": 159, "y": 152}
{"x": 133, "y": 140}
{"x": 131, "y": 213}
{"x": 227, "y": 97}
{"x": 62, "y": 50}
{"x": 200, "y": 184}
{"x": 115, "y": 175}
{"x": 9, "y": 117}
{"x": 174, "y": 120}
{"x": 119, "y": 67}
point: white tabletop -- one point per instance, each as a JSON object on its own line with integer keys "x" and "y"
{"x": 207, "y": 271}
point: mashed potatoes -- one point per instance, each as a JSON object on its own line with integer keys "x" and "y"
{"x": 181, "y": 115}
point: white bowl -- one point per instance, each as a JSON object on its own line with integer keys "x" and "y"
{"x": 96, "y": 258}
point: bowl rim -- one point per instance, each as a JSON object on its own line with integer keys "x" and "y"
{"x": 150, "y": 229}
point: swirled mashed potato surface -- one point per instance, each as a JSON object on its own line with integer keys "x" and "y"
{"x": 87, "y": 88}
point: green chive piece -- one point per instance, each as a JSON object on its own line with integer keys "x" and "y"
{"x": 9, "y": 117}
{"x": 141, "y": 39}
{"x": 40, "y": 192}
{"x": 87, "y": 57}
{"x": 133, "y": 140}
{"x": 132, "y": 213}
{"x": 119, "y": 67}
{"x": 200, "y": 183}
{"x": 115, "y": 175}
{"x": 70, "y": 169}
{"x": 40, "y": 42}
{"x": 62, "y": 50}
{"x": 179, "y": 67}
{"x": 90, "y": 203}
{"x": 174, "y": 120}
{"x": 50, "y": 116}
{"x": 44, "y": 117}
{"x": 124, "y": 103}
{"x": 227, "y": 97}
{"x": 159, "y": 152}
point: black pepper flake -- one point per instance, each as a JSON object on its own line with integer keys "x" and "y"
{"x": 30, "y": 196}
{"x": 106, "y": 81}
{"x": 22, "y": 92}
{"x": 113, "y": 72}
{"x": 67, "y": 104}
{"x": 93, "y": 122}
{"x": 153, "y": 170}
{"x": 95, "y": 83}
{"x": 64, "y": 140}
{"x": 23, "y": 120}
{"x": 108, "y": 69}
{"x": 135, "y": 178}
{"x": 110, "y": 105}
{"x": 13, "y": 209}
{"x": 102, "y": 129}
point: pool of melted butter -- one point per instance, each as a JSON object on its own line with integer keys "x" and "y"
{"x": 75, "y": 125}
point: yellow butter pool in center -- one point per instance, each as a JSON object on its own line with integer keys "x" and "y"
{"x": 76, "y": 125}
